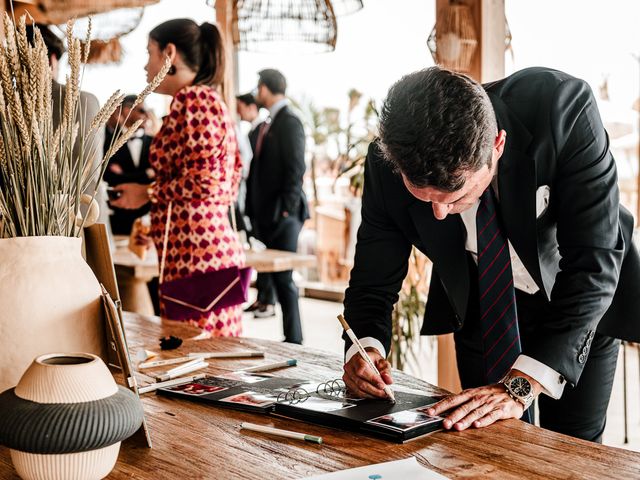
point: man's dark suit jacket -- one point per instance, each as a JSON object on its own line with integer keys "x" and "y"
{"x": 578, "y": 251}
{"x": 253, "y": 137}
{"x": 121, "y": 219}
{"x": 274, "y": 185}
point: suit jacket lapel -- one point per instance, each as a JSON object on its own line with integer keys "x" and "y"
{"x": 443, "y": 242}
{"x": 517, "y": 190}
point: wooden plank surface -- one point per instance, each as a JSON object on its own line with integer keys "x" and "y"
{"x": 264, "y": 261}
{"x": 196, "y": 441}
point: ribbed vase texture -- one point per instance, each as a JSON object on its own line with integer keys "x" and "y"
{"x": 95, "y": 464}
{"x": 66, "y": 418}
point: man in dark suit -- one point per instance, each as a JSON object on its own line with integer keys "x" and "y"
{"x": 130, "y": 164}
{"x": 276, "y": 203}
{"x": 248, "y": 110}
{"x": 512, "y": 192}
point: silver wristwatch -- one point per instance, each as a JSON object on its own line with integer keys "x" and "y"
{"x": 519, "y": 388}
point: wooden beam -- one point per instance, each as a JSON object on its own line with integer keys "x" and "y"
{"x": 224, "y": 20}
{"x": 488, "y": 60}
{"x": 487, "y": 65}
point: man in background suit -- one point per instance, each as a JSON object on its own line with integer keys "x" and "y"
{"x": 248, "y": 110}
{"x": 276, "y": 203}
{"x": 511, "y": 191}
{"x": 130, "y": 164}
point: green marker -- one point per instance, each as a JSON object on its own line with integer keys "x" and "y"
{"x": 282, "y": 433}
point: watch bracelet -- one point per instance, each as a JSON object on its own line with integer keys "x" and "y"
{"x": 517, "y": 399}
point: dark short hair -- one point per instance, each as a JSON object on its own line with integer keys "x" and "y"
{"x": 200, "y": 46}
{"x": 435, "y": 126}
{"x": 247, "y": 99}
{"x": 129, "y": 100}
{"x": 273, "y": 80}
{"x": 54, "y": 44}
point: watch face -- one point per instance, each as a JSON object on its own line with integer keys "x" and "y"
{"x": 520, "y": 386}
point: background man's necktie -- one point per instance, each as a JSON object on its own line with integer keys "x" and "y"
{"x": 498, "y": 315}
{"x": 264, "y": 128}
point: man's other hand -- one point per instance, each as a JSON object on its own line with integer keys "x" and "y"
{"x": 477, "y": 407}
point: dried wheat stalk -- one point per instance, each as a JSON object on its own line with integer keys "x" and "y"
{"x": 41, "y": 179}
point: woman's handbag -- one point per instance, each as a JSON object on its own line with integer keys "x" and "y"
{"x": 189, "y": 297}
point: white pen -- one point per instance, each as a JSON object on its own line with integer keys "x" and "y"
{"x": 178, "y": 372}
{"x": 280, "y": 432}
{"x": 271, "y": 366}
{"x": 170, "y": 383}
{"x": 205, "y": 355}
{"x": 365, "y": 356}
{"x": 166, "y": 361}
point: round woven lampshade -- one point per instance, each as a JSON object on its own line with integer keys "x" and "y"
{"x": 453, "y": 41}
{"x": 105, "y": 26}
{"x": 301, "y": 26}
{"x": 106, "y": 30}
{"x": 345, "y": 7}
{"x": 59, "y": 11}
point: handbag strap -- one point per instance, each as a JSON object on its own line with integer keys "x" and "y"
{"x": 164, "y": 242}
{"x": 167, "y": 226}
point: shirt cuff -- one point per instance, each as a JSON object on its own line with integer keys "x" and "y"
{"x": 366, "y": 342}
{"x": 552, "y": 382}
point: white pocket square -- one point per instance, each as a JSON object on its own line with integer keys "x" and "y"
{"x": 542, "y": 200}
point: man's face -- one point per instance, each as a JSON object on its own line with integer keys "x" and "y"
{"x": 138, "y": 113}
{"x": 245, "y": 111}
{"x": 259, "y": 94}
{"x": 449, "y": 203}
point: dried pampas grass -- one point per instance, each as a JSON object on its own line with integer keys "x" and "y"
{"x": 41, "y": 179}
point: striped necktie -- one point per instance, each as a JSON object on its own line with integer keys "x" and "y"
{"x": 498, "y": 315}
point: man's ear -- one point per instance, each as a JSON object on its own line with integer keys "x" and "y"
{"x": 499, "y": 143}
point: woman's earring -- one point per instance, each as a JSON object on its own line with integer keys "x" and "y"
{"x": 172, "y": 70}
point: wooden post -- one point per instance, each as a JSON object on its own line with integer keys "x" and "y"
{"x": 225, "y": 19}
{"x": 637, "y": 57}
{"x": 487, "y": 65}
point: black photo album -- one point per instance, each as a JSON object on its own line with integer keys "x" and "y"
{"x": 322, "y": 403}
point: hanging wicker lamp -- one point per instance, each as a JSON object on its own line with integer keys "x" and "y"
{"x": 59, "y": 11}
{"x": 346, "y": 7}
{"x": 106, "y": 30}
{"x": 285, "y": 26}
{"x": 110, "y": 20}
{"x": 453, "y": 41}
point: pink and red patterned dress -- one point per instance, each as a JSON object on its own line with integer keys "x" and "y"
{"x": 198, "y": 170}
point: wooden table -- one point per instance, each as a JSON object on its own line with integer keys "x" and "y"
{"x": 134, "y": 273}
{"x": 192, "y": 440}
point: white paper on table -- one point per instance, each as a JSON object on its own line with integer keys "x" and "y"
{"x": 407, "y": 469}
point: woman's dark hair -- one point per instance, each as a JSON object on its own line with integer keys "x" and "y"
{"x": 200, "y": 46}
{"x": 437, "y": 125}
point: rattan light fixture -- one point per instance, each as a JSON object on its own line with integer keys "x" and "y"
{"x": 66, "y": 9}
{"x": 345, "y": 7}
{"x": 453, "y": 41}
{"x": 111, "y": 19}
{"x": 106, "y": 30}
{"x": 283, "y": 26}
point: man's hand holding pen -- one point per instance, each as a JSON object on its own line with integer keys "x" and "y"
{"x": 361, "y": 381}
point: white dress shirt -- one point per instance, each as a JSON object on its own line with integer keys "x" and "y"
{"x": 552, "y": 382}
{"x": 135, "y": 147}
{"x": 276, "y": 107}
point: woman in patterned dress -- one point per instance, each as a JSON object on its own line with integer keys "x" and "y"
{"x": 197, "y": 164}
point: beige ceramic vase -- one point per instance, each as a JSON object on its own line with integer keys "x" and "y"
{"x": 49, "y": 302}
{"x": 66, "y": 418}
